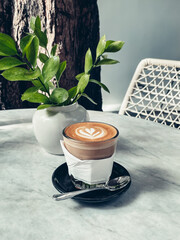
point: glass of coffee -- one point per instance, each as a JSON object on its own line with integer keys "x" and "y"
{"x": 89, "y": 150}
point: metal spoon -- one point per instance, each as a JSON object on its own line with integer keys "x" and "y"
{"x": 111, "y": 185}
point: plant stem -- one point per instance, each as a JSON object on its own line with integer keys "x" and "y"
{"x": 24, "y": 60}
{"x": 97, "y": 60}
{"x": 47, "y": 91}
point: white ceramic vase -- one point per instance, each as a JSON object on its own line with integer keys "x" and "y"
{"x": 49, "y": 123}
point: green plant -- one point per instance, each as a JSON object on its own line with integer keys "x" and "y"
{"x": 20, "y": 64}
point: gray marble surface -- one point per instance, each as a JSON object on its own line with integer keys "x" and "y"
{"x": 150, "y": 209}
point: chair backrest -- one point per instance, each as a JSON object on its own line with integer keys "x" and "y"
{"x": 154, "y": 92}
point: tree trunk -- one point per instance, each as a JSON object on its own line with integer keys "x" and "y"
{"x": 72, "y": 23}
{"x": 77, "y": 29}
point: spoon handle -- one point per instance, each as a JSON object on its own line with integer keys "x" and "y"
{"x": 63, "y": 196}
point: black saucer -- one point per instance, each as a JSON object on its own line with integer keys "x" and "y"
{"x": 62, "y": 182}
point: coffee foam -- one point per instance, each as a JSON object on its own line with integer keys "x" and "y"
{"x": 91, "y": 131}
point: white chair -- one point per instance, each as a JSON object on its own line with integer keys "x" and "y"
{"x": 154, "y": 92}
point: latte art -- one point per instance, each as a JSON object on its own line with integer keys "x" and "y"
{"x": 90, "y": 140}
{"x": 90, "y": 133}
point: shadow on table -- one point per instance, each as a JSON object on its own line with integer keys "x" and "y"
{"x": 143, "y": 180}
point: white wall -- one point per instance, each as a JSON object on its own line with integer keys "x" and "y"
{"x": 150, "y": 28}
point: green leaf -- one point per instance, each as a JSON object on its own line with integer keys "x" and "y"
{"x": 72, "y": 92}
{"x": 37, "y": 83}
{"x": 101, "y": 47}
{"x": 3, "y": 54}
{"x": 7, "y": 45}
{"x": 32, "y": 95}
{"x": 25, "y": 43}
{"x": 79, "y": 76}
{"x": 90, "y": 99}
{"x": 32, "y": 23}
{"x": 106, "y": 61}
{"x": 50, "y": 68}
{"x": 88, "y": 61}
{"x": 53, "y": 50}
{"x": 108, "y": 42}
{"x": 32, "y": 51}
{"x": 42, "y": 37}
{"x": 100, "y": 84}
{"x": 21, "y": 74}
{"x": 50, "y": 85}
{"x": 43, "y": 57}
{"x": 31, "y": 90}
{"x": 38, "y": 23}
{"x": 61, "y": 69}
{"x": 9, "y": 62}
{"x": 114, "y": 46}
{"x": 43, "y": 106}
{"x": 45, "y": 87}
{"x": 83, "y": 82}
{"x": 59, "y": 95}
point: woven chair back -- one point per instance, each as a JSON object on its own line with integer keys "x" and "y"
{"x": 154, "y": 92}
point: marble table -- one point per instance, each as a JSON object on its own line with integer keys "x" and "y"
{"x": 150, "y": 209}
